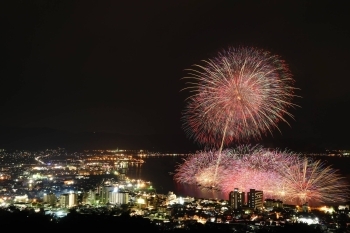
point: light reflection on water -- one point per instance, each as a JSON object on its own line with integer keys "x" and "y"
{"x": 158, "y": 170}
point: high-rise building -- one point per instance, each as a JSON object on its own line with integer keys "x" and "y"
{"x": 50, "y": 199}
{"x": 104, "y": 193}
{"x": 64, "y": 200}
{"x": 116, "y": 197}
{"x": 68, "y": 200}
{"x": 255, "y": 199}
{"x": 236, "y": 199}
{"x": 73, "y": 199}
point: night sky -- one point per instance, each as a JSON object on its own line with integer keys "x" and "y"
{"x": 116, "y": 66}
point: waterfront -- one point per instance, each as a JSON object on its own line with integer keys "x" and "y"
{"x": 55, "y": 183}
{"x": 159, "y": 171}
{"x": 37, "y": 172}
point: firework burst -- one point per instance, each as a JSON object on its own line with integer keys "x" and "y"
{"x": 259, "y": 169}
{"x": 238, "y": 95}
{"x": 309, "y": 180}
{"x": 245, "y": 179}
{"x": 198, "y": 168}
{"x": 281, "y": 175}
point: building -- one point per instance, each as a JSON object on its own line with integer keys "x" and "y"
{"x": 116, "y": 197}
{"x": 255, "y": 199}
{"x": 21, "y": 199}
{"x": 305, "y": 207}
{"x": 236, "y": 199}
{"x": 122, "y": 176}
{"x": 123, "y": 167}
{"x": 171, "y": 198}
{"x": 141, "y": 202}
{"x": 68, "y": 200}
{"x": 91, "y": 197}
{"x": 64, "y": 200}
{"x": 104, "y": 192}
{"x": 272, "y": 203}
{"x": 50, "y": 199}
{"x": 82, "y": 197}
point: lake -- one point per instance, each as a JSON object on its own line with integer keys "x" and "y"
{"x": 158, "y": 171}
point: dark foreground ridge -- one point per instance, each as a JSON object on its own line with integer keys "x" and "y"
{"x": 28, "y": 219}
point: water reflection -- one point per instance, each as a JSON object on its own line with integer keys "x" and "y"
{"x": 196, "y": 191}
{"x": 158, "y": 170}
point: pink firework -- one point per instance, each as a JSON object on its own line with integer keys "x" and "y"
{"x": 240, "y": 94}
{"x": 259, "y": 169}
{"x": 307, "y": 180}
{"x": 200, "y": 167}
{"x": 266, "y": 160}
{"x": 281, "y": 175}
{"x": 245, "y": 179}
{"x": 192, "y": 168}
{"x": 206, "y": 179}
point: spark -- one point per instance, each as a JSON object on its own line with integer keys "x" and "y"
{"x": 238, "y": 95}
{"x": 282, "y": 175}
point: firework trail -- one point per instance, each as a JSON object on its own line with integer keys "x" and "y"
{"x": 240, "y": 94}
{"x": 206, "y": 179}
